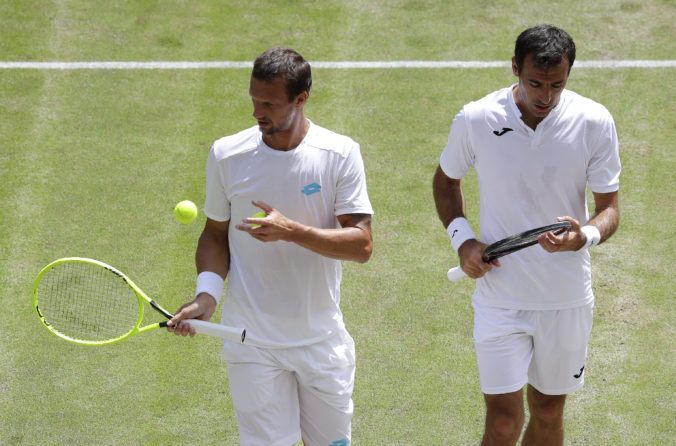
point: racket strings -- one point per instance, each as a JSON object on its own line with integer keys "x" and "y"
{"x": 517, "y": 242}
{"x": 87, "y": 302}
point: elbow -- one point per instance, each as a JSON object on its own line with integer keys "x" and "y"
{"x": 364, "y": 253}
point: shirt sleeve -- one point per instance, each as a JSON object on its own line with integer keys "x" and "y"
{"x": 458, "y": 156}
{"x": 351, "y": 193}
{"x": 603, "y": 170}
{"x": 216, "y": 203}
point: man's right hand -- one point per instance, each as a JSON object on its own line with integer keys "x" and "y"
{"x": 202, "y": 307}
{"x": 471, "y": 259}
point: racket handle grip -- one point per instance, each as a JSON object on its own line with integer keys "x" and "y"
{"x": 455, "y": 274}
{"x": 217, "y": 330}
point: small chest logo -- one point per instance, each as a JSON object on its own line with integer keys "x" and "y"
{"x": 503, "y": 131}
{"x": 311, "y": 189}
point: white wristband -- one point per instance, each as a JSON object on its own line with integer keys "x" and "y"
{"x": 593, "y": 236}
{"x": 459, "y": 231}
{"x": 210, "y": 283}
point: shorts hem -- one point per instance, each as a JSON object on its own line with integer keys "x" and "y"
{"x": 566, "y": 391}
{"x": 502, "y": 390}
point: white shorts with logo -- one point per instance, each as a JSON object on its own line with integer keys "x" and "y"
{"x": 284, "y": 395}
{"x": 545, "y": 348}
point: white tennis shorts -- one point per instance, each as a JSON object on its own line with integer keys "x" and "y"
{"x": 284, "y": 395}
{"x": 545, "y": 348}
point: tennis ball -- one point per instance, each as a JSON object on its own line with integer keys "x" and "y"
{"x": 257, "y": 215}
{"x": 185, "y": 211}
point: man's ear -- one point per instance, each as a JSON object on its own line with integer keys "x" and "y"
{"x": 515, "y": 68}
{"x": 301, "y": 99}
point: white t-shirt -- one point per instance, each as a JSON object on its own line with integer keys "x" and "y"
{"x": 280, "y": 292}
{"x": 527, "y": 178}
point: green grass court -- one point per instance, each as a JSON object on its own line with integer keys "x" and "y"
{"x": 92, "y": 163}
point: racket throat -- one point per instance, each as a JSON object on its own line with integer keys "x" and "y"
{"x": 161, "y": 310}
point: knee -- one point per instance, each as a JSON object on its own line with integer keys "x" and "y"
{"x": 504, "y": 426}
{"x": 507, "y": 426}
{"x": 504, "y": 418}
{"x": 547, "y": 416}
{"x": 547, "y": 410}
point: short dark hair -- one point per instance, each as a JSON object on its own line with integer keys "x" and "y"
{"x": 548, "y": 44}
{"x": 287, "y": 64}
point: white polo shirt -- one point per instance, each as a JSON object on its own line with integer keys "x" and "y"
{"x": 527, "y": 178}
{"x": 280, "y": 292}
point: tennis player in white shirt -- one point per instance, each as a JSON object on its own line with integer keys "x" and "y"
{"x": 284, "y": 269}
{"x": 536, "y": 147}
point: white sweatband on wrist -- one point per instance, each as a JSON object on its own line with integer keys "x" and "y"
{"x": 593, "y": 236}
{"x": 459, "y": 232}
{"x": 210, "y": 283}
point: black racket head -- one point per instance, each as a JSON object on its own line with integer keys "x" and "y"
{"x": 522, "y": 240}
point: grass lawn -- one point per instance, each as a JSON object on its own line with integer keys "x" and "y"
{"x": 93, "y": 161}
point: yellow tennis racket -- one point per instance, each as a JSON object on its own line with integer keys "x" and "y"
{"x": 88, "y": 302}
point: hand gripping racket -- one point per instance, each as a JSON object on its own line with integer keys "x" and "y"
{"x": 88, "y": 302}
{"x": 511, "y": 244}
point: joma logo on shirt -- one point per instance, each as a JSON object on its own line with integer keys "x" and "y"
{"x": 503, "y": 131}
{"x": 311, "y": 189}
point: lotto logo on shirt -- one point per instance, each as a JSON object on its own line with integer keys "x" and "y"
{"x": 311, "y": 189}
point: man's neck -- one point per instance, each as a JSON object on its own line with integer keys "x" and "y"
{"x": 288, "y": 139}
{"x": 526, "y": 117}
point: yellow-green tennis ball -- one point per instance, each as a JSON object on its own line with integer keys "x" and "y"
{"x": 185, "y": 211}
{"x": 257, "y": 215}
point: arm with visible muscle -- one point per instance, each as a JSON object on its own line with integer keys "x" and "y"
{"x": 450, "y": 204}
{"x": 606, "y": 219}
{"x": 213, "y": 254}
{"x": 352, "y": 241}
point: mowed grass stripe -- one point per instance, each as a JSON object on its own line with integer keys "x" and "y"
{"x": 348, "y": 65}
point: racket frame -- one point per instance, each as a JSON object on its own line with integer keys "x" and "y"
{"x": 456, "y": 273}
{"x": 234, "y": 334}
{"x": 492, "y": 252}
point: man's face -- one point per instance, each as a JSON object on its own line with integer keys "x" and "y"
{"x": 539, "y": 89}
{"x": 272, "y": 108}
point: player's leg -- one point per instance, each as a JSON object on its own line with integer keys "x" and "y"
{"x": 560, "y": 350}
{"x": 504, "y": 418}
{"x": 325, "y": 423}
{"x": 504, "y": 349}
{"x": 325, "y": 383}
{"x": 545, "y": 425}
{"x": 557, "y": 369}
{"x": 264, "y": 395}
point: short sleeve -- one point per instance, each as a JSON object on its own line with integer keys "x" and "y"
{"x": 603, "y": 171}
{"x": 216, "y": 203}
{"x": 351, "y": 193}
{"x": 457, "y": 157}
